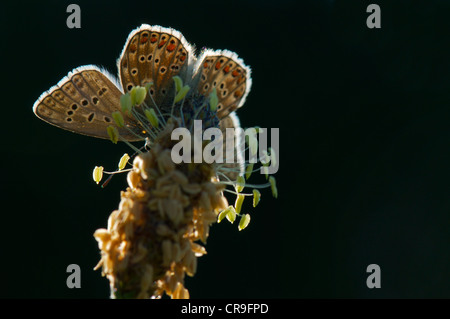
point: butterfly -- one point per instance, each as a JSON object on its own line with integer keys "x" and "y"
{"x": 82, "y": 102}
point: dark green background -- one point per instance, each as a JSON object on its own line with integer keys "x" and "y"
{"x": 364, "y": 164}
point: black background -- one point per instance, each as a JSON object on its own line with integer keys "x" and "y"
{"x": 364, "y": 147}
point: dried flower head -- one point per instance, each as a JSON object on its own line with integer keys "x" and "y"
{"x": 149, "y": 244}
{"x": 152, "y": 239}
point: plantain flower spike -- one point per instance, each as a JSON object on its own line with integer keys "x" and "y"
{"x": 150, "y": 244}
{"x": 154, "y": 238}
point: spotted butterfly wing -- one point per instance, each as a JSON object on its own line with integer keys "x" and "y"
{"x": 82, "y": 102}
{"x": 238, "y": 166}
{"x": 153, "y": 54}
{"x": 227, "y": 73}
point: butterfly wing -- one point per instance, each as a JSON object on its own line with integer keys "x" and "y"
{"x": 153, "y": 54}
{"x": 82, "y": 102}
{"x": 238, "y": 165}
{"x": 226, "y": 72}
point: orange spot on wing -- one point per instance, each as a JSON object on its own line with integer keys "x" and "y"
{"x": 133, "y": 47}
{"x": 144, "y": 39}
{"x": 237, "y": 93}
{"x": 217, "y": 65}
{"x": 153, "y": 39}
{"x": 205, "y": 65}
{"x": 241, "y": 79}
{"x": 226, "y": 69}
{"x": 171, "y": 47}
{"x": 183, "y": 58}
{"x": 161, "y": 43}
{"x": 235, "y": 73}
